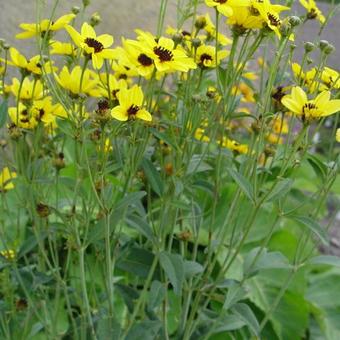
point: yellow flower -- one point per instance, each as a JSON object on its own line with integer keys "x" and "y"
{"x": 33, "y": 65}
{"x": 111, "y": 83}
{"x": 200, "y": 135}
{"x": 210, "y": 28}
{"x": 246, "y": 92}
{"x": 139, "y": 59}
{"x": 71, "y": 81}
{"x": 313, "y": 11}
{"x": 226, "y": 7}
{"x": 58, "y": 47}
{"x": 6, "y": 177}
{"x": 206, "y": 56}
{"x": 298, "y": 103}
{"x": 97, "y": 47}
{"x": 29, "y": 89}
{"x": 31, "y": 30}
{"x": 130, "y": 105}
{"x": 22, "y": 117}
{"x": 242, "y": 20}
{"x": 233, "y": 145}
{"x": 308, "y": 79}
{"x": 40, "y": 111}
{"x": 166, "y": 56}
{"x": 8, "y": 254}
{"x": 270, "y": 14}
{"x": 330, "y": 78}
{"x": 337, "y": 137}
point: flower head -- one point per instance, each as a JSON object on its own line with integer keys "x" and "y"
{"x": 206, "y": 56}
{"x": 227, "y": 7}
{"x": 313, "y": 11}
{"x": 309, "y": 110}
{"x": 166, "y": 56}
{"x": 96, "y": 47}
{"x": 130, "y": 105}
{"x": 77, "y": 83}
{"x": 31, "y": 30}
{"x": 6, "y": 177}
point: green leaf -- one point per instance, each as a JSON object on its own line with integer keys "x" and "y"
{"x": 108, "y": 328}
{"x": 153, "y": 177}
{"x": 141, "y": 225}
{"x": 280, "y": 190}
{"x": 3, "y": 113}
{"x": 136, "y": 261}
{"x": 129, "y": 295}
{"x": 129, "y": 199}
{"x": 243, "y": 183}
{"x": 173, "y": 266}
{"x": 30, "y": 243}
{"x": 234, "y": 295}
{"x": 163, "y": 137}
{"x": 264, "y": 260}
{"x": 146, "y": 330}
{"x": 192, "y": 268}
{"x": 229, "y": 323}
{"x": 313, "y": 226}
{"x": 244, "y": 312}
{"x": 156, "y": 295}
{"x": 328, "y": 260}
{"x": 318, "y": 166}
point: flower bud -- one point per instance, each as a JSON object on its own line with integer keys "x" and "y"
{"x": 6, "y": 46}
{"x": 329, "y": 49}
{"x": 75, "y": 10}
{"x": 196, "y": 42}
{"x": 285, "y": 29}
{"x": 95, "y": 19}
{"x": 177, "y": 38}
{"x": 86, "y": 3}
{"x": 59, "y": 162}
{"x": 323, "y": 44}
{"x": 294, "y": 21}
{"x": 310, "y": 61}
{"x": 43, "y": 210}
{"x": 200, "y": 22}
{"x": 309, "y": 46}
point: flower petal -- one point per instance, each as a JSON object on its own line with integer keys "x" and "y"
{"x": 119, "y": 113}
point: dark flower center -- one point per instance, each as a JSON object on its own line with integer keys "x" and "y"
{"x": 308, "y": 107}
{"x": 163, "y": 53}
{"x": 95, "y": 44}
{"x": 103, "y": 105}
{"x": 132, "y": 111}
{"x": 275, "y": 21}
{"x": 144, "y": 60}
{"x": 312, "y": 14}
{"x": 204, "y": 57}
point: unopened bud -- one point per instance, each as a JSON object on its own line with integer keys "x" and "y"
{"x": 329, "y": 49}
{"x": 95, "y": 19}
{"x": 196, "y": 42}
{"x": 323, "y": 44}
{"x": 177, "y": 38}
{"x": 43, "y": 210}
{"x": 309, "y": 46}
{"x": 86, "y": 3}
{"x": 294, "y": 21}
{"x": 200, "y": 22}
{"x": 75, "y": 10}
{"x": 285, "y": 29}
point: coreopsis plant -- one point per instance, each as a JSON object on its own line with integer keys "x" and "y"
{"x": 176, "y": 184}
